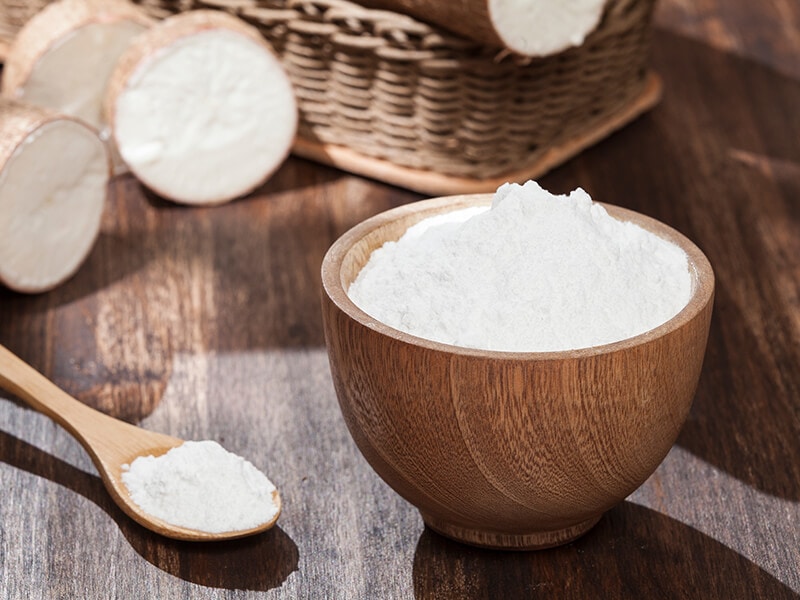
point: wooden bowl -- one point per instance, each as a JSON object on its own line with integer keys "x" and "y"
{"x": 507, "y": 449}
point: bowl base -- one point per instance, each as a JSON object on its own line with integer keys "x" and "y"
{"x": 533, "y": 540}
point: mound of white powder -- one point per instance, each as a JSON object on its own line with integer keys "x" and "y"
{"x": 202, "y": 486}
{"x": 535, "y": 272}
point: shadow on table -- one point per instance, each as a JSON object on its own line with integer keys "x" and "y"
{"x": 247, "y": 271}
{"x": 165, "y": 279}
{"x": 294, "y": 175}
{"x": 91, "y": 277}
{"x": 132, "y": 241}
{"x": 725, "y": 140}
{"x": 744, "y": 416}
{"x": 257, "y": 563}
{"x": 634, "y": 552}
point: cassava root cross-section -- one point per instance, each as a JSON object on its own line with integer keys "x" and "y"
{"x": 62, "y": 58}
{"x": 201, "y": 109}
{"x": 54, "y": 173}
{"x": 527, "y": 27}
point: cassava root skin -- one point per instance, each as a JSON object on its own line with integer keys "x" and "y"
{"x": 54, "y": 173}
{"x": 63, "y": 57}
{"x": 90, "y": 35}
{"x": 201, "y": 109}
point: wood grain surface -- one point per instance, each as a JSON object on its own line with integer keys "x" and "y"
{"x": 206, "y": 324}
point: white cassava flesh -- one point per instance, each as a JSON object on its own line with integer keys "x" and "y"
{"x": 527, "y": 27}
{"x": 54, "y": 174}
{"x": 200, "y": 108}
{"x": 544, "y": 27}
{"x": 63, "y": 57}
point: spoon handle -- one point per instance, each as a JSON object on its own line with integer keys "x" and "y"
{"x": 82, "y": 421}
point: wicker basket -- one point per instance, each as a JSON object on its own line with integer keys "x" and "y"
{"x": 387, "y": 96}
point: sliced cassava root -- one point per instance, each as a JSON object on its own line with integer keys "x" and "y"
{"x": 201, "y": 109}
{"x": 527, "y": 27}
{"x": 62, "y": 58}
{"x": 54, "y": 174}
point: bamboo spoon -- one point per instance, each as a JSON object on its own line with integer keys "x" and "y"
{"x": 110, "y": 442}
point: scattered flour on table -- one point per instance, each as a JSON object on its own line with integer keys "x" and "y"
{"x": 202, "y": 486}
{"x": 535, "y": 272}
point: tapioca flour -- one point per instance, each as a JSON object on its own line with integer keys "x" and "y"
{"x": 202, "y": 486}
{"x": 535, "y": 272}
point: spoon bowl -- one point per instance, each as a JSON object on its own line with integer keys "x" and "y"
{"x": 111, "y": 444}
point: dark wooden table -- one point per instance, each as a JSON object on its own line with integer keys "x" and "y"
{"x": 205, "y": 323}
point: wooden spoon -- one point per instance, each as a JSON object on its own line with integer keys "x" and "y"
{"x": 110, "y": 442}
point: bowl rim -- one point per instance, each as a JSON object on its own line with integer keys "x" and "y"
{"x": 703, "y": 279}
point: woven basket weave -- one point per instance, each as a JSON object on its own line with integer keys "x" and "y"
{"x": 388, "y": 87}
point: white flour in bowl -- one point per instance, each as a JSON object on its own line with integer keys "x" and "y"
{"x": 202, "y": 486}
{"x": 536, "y": 272}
